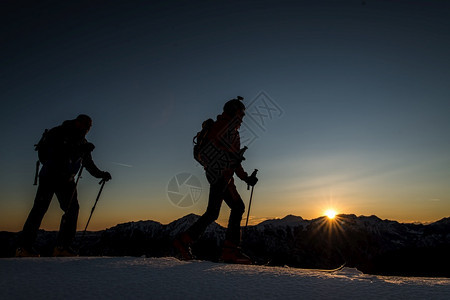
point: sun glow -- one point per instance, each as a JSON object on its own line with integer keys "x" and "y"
{"x": 330, "y": 213}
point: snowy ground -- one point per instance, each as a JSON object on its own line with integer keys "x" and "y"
{"x": 169, "y": 278}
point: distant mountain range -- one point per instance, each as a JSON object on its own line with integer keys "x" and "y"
{"x": 370, "y": 244}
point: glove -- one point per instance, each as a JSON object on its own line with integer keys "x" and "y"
{"x": 105, "y": 176}
{"x": 251, "y": 180}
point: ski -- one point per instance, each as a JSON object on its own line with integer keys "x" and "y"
{"x": 326, "y": 270}
{"x": 267, "y": 264}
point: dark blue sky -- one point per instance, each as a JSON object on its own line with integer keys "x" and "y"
{"x": 360, "y": 92}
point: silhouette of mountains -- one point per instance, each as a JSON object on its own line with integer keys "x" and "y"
{"x": 370, "y": 244}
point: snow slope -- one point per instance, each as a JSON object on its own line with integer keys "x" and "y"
{"x": 169, "y": 278}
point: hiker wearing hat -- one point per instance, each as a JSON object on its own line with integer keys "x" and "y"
{"x": 219, "y": 151}
{"x": 63, "y": 151}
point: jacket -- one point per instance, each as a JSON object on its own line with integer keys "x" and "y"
{"x": 65, "y": 151}
{"x": 224, "y": 135}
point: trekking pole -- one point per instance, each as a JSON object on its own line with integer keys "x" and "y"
{"x": 74, "y": 191}
{"x": 251, "y": 196}
{"x": 79, "y": 175}
{"x": 102, "y": 182}
{"x": 36, "y": 175}
{"x": 75, "y": 187}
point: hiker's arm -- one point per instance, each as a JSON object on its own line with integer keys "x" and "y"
{"x": 89, "y": 164}
{"x": 241, "y": 173}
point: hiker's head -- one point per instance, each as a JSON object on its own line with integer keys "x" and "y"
{"x": 235, "y": 108}
{"x": 83, "y": 123}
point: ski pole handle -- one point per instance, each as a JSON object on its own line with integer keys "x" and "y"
{"x": 253, "y": 175}
{"x": 241, "y": 153}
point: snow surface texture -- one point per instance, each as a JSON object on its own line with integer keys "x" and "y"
{"x": 169, "y": 278}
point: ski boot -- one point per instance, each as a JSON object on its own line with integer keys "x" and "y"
{"x": 183, "y": 244}
{"x": 26, "y": 252}
{"x": 231, "y": 253}
{"x": 61, "y": 251}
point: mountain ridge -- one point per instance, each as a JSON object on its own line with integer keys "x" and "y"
{"x": 292, "y": 218}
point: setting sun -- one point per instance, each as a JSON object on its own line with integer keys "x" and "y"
{"x": 330, "y": 213}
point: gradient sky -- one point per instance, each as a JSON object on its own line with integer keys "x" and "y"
{"x": 360, "y": 90}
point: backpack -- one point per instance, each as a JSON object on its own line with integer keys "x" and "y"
{"x": 41, "y": 147}
{"x": 201, "y": 142}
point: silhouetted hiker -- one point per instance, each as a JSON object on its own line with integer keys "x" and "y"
{"x": 63, "y": 150}
{"x": 221, "y": 156}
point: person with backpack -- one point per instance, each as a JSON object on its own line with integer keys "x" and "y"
{"x": 218, "y": 151}
{"x": 63, "y": 151}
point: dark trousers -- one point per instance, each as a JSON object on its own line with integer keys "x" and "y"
{"x": 67, "y": 196}
{"x": 220, "y": 190}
